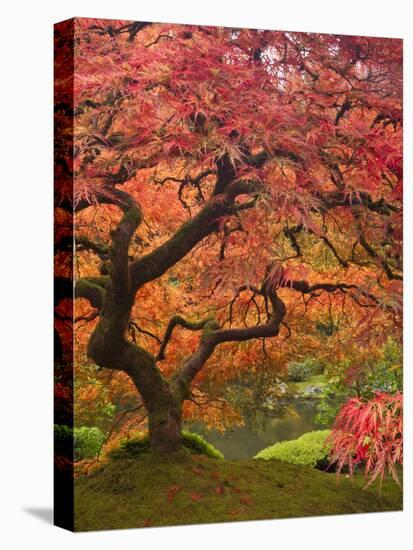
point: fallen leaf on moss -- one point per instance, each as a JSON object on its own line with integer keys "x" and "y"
{"x": 172, "y": 491}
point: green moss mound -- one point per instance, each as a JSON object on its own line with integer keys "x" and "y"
{"x": 308, "y": 450}
{"x": 139, "y": 445}
{"x": 149, "y": 491}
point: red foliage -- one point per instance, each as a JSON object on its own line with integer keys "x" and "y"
{"x": 172, "y": 491}
{"x": 370, "y": 432}
{"x": 287, "y": 146}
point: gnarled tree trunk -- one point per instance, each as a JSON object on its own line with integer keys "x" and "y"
{"x": 114, "y": 296}
{"x": 165, "y": 428}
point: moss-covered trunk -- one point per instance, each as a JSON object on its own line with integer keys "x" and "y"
{"x": 165, "y": 425}
{"x": 115, "y": 294}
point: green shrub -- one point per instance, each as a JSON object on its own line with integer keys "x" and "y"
{"x": 309, "y": 450}
{"x": 87, "y": 442}
{"x": 84, "y": 441}
{"x": 140, "y": 444}
{"x": 301, "y": 370}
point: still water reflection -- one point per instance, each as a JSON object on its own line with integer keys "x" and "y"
{"x": 245, "y": 441}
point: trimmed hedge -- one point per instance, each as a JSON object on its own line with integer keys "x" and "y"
{"x": 140, "y": 444}
{"x": 308, "y": 450}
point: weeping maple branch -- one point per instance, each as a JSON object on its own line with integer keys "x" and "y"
{"x": 305, "y": 288}
{"x": 328, "y": 200}
{"x": 381, "y": 206}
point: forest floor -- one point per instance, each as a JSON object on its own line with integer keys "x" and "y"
{"x": 150, "y": 492}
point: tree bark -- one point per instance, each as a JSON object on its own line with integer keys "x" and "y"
{"x": 165, "y": 428}
{"x": 114, "y": 296}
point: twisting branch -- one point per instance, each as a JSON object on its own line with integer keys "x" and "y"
{"x": 108, "y": 346}
{"x": 84, "y": 243}
{"x": 178, "y": 320}
{"x": 134, "y": 325}
{"x": 188, "y": 180}
{"x": 334, "y": 199}
{"x": 269, "y": 329}
{"x": 212, "y": 336}
{"x": 248, "y": 204}
{"x": 86, "y": 288}
{"x": 157, "y": 40}
{"x": 290, "y": 232}
{"x": 205, "y": 222}
{"x": 373, "y": 254}
{"x": 131, "y": 28}
{"x": 343, "y": 263}
{"x": 305, "y": 288}
{"x": 120, "y": 289}
{"x": 227, "y": 232}
{"x": 87, "y": 318}
{"x": 346, "y": 106}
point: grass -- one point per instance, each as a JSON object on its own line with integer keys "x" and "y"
{"x": 148, "y": 492}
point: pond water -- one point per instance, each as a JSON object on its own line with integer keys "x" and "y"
{"x": 246, "y": 441}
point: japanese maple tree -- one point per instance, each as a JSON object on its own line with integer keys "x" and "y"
{"x": 231, "y": 188}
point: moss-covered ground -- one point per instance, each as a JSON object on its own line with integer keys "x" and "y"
{"x": 149, "y": 492}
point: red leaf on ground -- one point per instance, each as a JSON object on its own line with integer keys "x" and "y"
{"x": 247, "y": 501}
{"x": 172, "y": 491}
